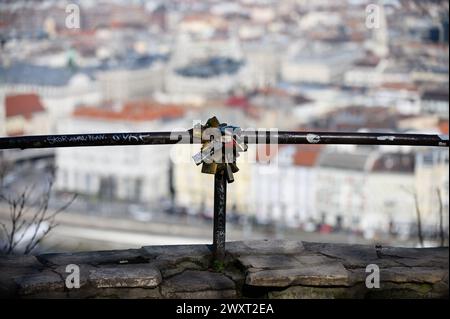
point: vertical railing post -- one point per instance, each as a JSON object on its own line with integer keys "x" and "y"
{"x": 220, "y": 202}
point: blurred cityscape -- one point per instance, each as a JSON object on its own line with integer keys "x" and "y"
{"x": 159, "y": 65}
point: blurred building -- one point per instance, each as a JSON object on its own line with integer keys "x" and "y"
{"x": 137, "y": 81}
{"x": 195, "y": 190}
{"x": 24, "y": 114}
{"x": 60, "y": 88}
{"x": 431, "y": 177}
{"x": 206, "y": 58}
{"x": 366, "y": 72}
{"x": 277, "y": 107}
{"x": 133, "y": 173}
{"x": 263, "y": 64}
{"x": 341, "y": 187}
{"x": 214, "y": 76}
{"x": 435, "y": 102}
{"x": 389, "y": 200}
{"x": 284, "y": 190}
{"x": 404, "y": 97}
{"x": 318, "y": 63}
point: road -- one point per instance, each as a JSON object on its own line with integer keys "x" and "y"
{"x": 77, "y": 232}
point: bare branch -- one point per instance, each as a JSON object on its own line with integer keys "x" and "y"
{"x": 32, "y": 244}
{"x": 35, "y": 239}
{"x": 413, "y": 193}
{"x": 62, "y": 208}
{"x": 419, "y": 220}
{"x": 40, "y": 222}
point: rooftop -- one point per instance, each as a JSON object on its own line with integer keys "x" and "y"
{"x": 23, "y": 105}
{"x": 307, "y": 155}
{"x": 132, "y": 111}
{"x": 210, "y": 67}
{"x": 437, "y": 95}
{"x": 443, "y": 127}
{"x": 27, "y": 73}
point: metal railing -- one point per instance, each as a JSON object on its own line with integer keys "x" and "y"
{"x": 220, "y": 147}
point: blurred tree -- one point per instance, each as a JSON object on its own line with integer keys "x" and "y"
{"x": 441, "y": 217}
{"x": 29, "y": 222}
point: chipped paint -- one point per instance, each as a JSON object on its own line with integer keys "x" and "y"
{"x": 386, "y": 138}
{"x": 313, "y": 138}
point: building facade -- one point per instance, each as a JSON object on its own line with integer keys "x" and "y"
{"x": 130, "y": 173}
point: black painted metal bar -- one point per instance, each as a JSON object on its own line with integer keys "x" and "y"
{"x": 249, "y": 137}
{"x": 102, "y": 139}
{"x": 293, "y": 137}
{"x": 220, "y": 203}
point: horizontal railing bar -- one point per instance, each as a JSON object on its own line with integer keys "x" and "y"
{"x": 293, "y": 137}
{"x": 249, "y": 137}
{"x": 98, "y": 139}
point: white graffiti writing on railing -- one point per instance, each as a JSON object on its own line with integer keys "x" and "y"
{"x": 75, "y": 138}
{"x": 56, "y": 139}
{"x": 130, "y": 137}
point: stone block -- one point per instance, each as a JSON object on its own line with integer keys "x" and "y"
{"x": 330, "y": 274}
{"x": 135, "y": 275}
{"x": 264, "y": 247}
{"x": 94, "y": 257}
{"x": 199, "y": 284}
{"x": 44, "y": 282}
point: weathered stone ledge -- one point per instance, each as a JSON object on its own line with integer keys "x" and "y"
{"x": 254, "y": 269}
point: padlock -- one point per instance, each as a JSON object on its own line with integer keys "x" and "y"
{"x": 229, "y": 173}
{"x": 233, "y": 167}
{"x": 209, "y": 168}
{"x": 212, "y": 122}
{"x": 219, "y": 155}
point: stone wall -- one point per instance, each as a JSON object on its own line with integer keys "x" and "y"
{"x": 255, "y": 269}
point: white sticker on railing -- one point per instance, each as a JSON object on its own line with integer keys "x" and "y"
{"x": 313, "y": 138}
{"x": 386, "y": 138}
